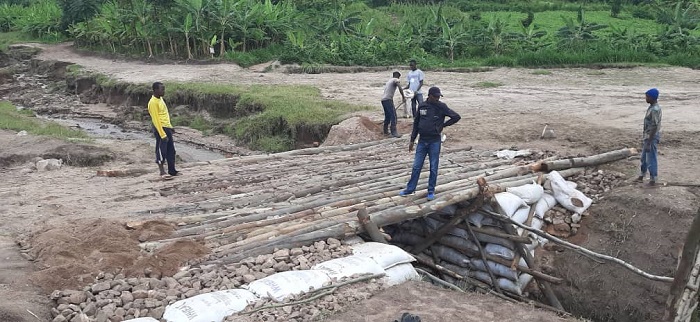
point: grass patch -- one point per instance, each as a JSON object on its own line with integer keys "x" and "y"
{"x": 12, "y": 119}
{"x": 18, "y": 37}
{"x": 271, "y": 118}
{"x": 541, "y": 72}
{"x": 488, "y": 84}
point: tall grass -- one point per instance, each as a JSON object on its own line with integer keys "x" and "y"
{"x": 11, "y": 119}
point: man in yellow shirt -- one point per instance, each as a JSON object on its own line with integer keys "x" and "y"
{"x": 163, "y": 131}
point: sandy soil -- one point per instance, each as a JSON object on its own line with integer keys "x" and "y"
{"x": 432, "y": 303}
{"x": 590, "y": 111}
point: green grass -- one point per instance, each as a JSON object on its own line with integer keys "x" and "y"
{"x": 12, "y": 119}
{"x": 18, "y": 37}
{"x": 265, "y": 117}
{"x": 488, "y": 84}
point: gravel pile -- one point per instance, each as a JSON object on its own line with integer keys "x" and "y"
{"x": 118, "y": 298}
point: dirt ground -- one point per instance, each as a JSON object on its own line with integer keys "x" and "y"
{"x": 589, "y": 110}
{"x": 435, "y": 304}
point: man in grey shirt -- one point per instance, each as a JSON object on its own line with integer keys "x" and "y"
{"x": 415, "y": 82}
{"x": 388, "y": 104}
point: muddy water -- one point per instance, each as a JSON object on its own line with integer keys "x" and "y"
{"x": 98, "y": 129}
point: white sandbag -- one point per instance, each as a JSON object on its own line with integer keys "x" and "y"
{"x": 449, "y": 210}
{"x": 516, "y": 287}
{"x": 530, "y": 193}
{"x": 459, "y": 243}
{"x": 500, "y": 251}
{"x": 537, "y": 223}
{"x": 548, "y": 184}
{"x": 146, "y": 319}
{"x": 546, "y": 203}
{"x": 508, "y": 203}
{"x": 400, "y": 274}
{"x": 451, "y": 255}
{"x": 282, "y": 285}
{"x": 534, "y": 243}
{"x": 475, "y": 219}
{"x": 340, "y": 268}
{"x": 385, "y": 255}
{"x": 214, "y": 306}
{"x": 496, "y": 268}
{"x": 521, "y": 215}
{"x": 567, "y": 196}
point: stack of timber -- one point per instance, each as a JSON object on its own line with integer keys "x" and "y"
{"x": 292, "y": 199}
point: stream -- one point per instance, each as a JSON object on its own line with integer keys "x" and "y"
{"x": 99, "y": 129}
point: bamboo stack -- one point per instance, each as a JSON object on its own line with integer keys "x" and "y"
{"x": 259, "y": 203}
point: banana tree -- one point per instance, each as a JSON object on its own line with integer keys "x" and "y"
{"x": 225, "y": 13}
{"x": 142, "y": 12}
{"x": 453, "y": 36}
{"x": 196, "y": 10}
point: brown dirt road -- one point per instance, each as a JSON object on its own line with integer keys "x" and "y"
{"x": 590, "y": 111}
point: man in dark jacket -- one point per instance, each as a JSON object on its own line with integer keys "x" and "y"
{"x": 429, "y": 122}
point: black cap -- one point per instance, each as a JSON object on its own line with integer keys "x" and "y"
{"x": 434, "y": 91}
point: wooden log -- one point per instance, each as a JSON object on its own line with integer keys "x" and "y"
{"x": 588, "y": 161}
{"x": 544, "y": 285}
{"x": 494, "y": 282}
{"x": 369, "y": 226}
{"x": 479, "y": 200}
{"x": 689, "y": 257}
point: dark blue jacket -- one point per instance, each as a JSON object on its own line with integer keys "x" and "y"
{"x": 430, "y": 120}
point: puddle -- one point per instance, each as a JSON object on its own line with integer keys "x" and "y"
{"x": 98, "y": 129}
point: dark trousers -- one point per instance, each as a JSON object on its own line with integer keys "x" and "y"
{"x": 165, "y": 150}
{"x": 415, "y": 101}
{"x": 389, "y": 116}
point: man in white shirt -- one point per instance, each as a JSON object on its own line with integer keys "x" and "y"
{"x": 415, "y": 82}
{"x": 388, "y": 104}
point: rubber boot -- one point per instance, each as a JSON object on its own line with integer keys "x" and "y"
{"x": 386, "y": 129}
{"x": 162, "y": 169}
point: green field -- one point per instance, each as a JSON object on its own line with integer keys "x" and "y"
{"x": 456, "y": 33}
{"x": 23, "y": 120}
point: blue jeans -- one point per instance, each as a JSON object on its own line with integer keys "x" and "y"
{"x": 389, "y": 115}
{"x": 415, "y": 101}
{"x": 649, "y": 157}
{"x": 165, "y": 151}
{"x": 432, "y": 149}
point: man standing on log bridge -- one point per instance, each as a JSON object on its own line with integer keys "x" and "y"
{"x": 651, "y": 136}
{"x": 163, "y": 131}
{"x": 388, "y": 104}
{"x": 429, "y": 122}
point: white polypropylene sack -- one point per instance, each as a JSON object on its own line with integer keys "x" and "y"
{"x": 496, "y": 268}
{"x": 521, "y": 215}
{"x": 146, "y": 319}
{"x": 348, "y": 266}
{"x": 500, "y": 251}
{"x": 399, "y": 274}
{"x": 282, "y": 285}
{"x": 214, "y": 306}
{"x": 386, "y": 256}
{"x": 530, "y": 193}
{"x": 565, "y": 195}
{"x": 515, "y": 287}
{"x": 508, "y": 203}
{"x": 543, "y": 205}
{"x": 475, "y": 219}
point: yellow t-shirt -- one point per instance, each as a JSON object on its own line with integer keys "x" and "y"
{"x": 159, "y": 115}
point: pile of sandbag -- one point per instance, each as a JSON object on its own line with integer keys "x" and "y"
{"x": 459, "y": 251}
{"x": 390, "y": 262}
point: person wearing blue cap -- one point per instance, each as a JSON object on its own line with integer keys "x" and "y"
{"x": 651, "y": 136}
{"x": 428, "y": 122}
